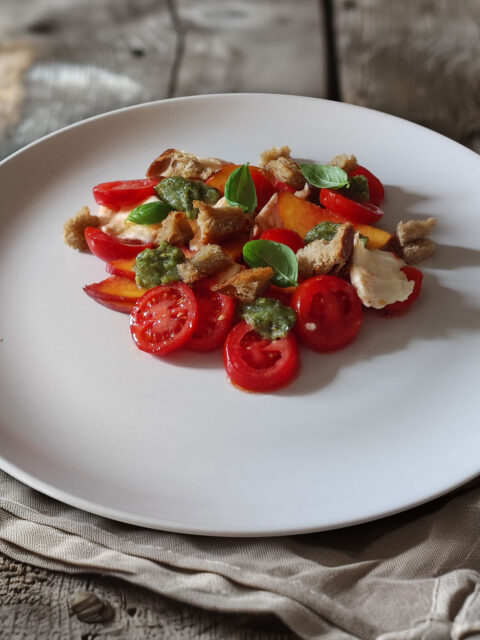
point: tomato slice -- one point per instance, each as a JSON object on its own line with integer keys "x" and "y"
{"x": 283, "y": 186}
{"x": 254, "y": 363}
{"x": 215, "y": 317}
{"x": 108, "y": 248}
{"x": 351, "y": 210}
{"x": 399, "y": 308}
{"x": 164, "y": 318}
{"x": 375, "y": 187}
{"x": 329, "y": 313}
{"x": 286, "y": 236}
{"x": 124, "y": 193}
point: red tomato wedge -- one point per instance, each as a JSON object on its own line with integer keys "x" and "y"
{"x": 108, "y": 248}
{"x": 350, "y": 210}
{"x": 283, "y": 186}
{"x": 215, "y": 317}
{"x": 123, "y": 193}
{"x": 399, "y": 308}
{"x": 286, "y": 236}
{"x": 329, "y": 313}
{"x": 164, "y": 319}
{"x": 122, "y": 267}
{"x": 263, "y": 185}
{"x": 375, "y": 187}
{"x": 117, "y": 293}
{"x": 254, "y": 363}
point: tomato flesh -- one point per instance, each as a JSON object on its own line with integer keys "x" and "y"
{"x": 350, "y": 210}
{"x": 215, "y": 317}
{"x": 329, "y": 313}
{"x": 123, "y": 193}
{"x": 164, "y": 318}
{"x": 399, "y": 308}
{"x": 108, "y": 248}
{"x": 254, "y": 363}
{"x": 375, "y": 187}
{"x": 286, "y": 236}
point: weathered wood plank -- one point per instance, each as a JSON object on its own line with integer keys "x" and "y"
{"x": 273, "y": 46}
{"x": 34, "y": 603}
{"x": 418, "y": 59}
{"x": 85, "y": 58}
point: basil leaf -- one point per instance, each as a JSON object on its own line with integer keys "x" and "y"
{"x": 150, "y": 213}
{"x": 240, "y": 189}
{"x": 266, "y": 253}
{"x": 325, "y": 176}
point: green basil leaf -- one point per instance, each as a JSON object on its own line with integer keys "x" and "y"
{"x": 240, "y": 189}
{"x": 266, "y": 253}
{"x": 150, "y": 213}
{"x": 325, "y": 176}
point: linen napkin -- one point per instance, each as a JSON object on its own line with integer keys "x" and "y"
{"x": 407, "y": 577}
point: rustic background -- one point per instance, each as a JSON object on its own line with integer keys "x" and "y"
{"x": 65, "y": 60}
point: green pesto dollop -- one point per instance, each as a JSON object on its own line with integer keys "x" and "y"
{"x": 357, "y": 189}
{"x": 180, "y": 193}
{"x": 322, "y": 231}
{"x": 327, "y": 231}
{"x": 154, "y": 267}
{"x": 269, "y": 317}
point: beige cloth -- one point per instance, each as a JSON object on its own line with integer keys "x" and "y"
{"x": 408, "y": 577}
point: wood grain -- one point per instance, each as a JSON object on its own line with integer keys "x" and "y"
{"x": 418, "y": 59}
{"x": 34, "y": 603}
{"x": 273, "y": 46}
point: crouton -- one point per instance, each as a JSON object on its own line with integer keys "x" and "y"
{"x": 247, "y": 285}
{"x": 175, "y": 229}
{"x": 268, "y": 217}
{"x": 173, "y": 162}
{"x": 73, "y": 229}
{"x": 205, "y": 262}
{"x": 321, "y": 257}
{"x": 414, "y": 230}
{"x": 216, "y": 224}
{"x": 288, "y": 171}
{"x": 273, "y": 154}
{"x": 416, "y": 252}
{"x": 347, "y": 162}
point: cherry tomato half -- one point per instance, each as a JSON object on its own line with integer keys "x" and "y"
{"x": 123, "y": 193}
{"x": 108, "y": 248}
{"x": 399, "y": 308}
{"x": 254, "y": 363}
{"x": 375, "y": 187}
{"x": 286, "y": 236}
{"x": 215, "y": 317}
{"x": 164, "y": 318}
{"x": 351, "y": 210}
{"x": 329, "y": 313}
{"x": 283, "y": 186}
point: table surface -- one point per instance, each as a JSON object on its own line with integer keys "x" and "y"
{"x": 65, "y": 60}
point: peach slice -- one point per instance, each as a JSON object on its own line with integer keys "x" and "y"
{"x": 377, "y": 238}
{"x": 122, "y": 267}
{"x": 300, "y": 215}
{"x": 116, "y": 292}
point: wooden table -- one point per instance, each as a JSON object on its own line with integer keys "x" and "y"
{"x": 65, "y": 60}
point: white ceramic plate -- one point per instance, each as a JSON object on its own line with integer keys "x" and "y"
{"x": 86, "y": 418}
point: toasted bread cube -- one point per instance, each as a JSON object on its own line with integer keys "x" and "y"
{"x": 288, "y": 171}
{"x": 175, "y": 229}
{"x": 216, "y": 224}
{"x": 74, "y": 228}
{"x": 208, "y": 260}
{"x": 273, "y": 154}
{"x": 416, "y": 252}
{"x": 173, "y": 162}
{"x": 321, "y": 257}
{"x": 347, "y": 162}
{"x": 415, "y": 230}
{"x": 247, "y": 285}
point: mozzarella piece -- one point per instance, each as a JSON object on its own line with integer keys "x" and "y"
{"x": 114, "y": 222}
{"x": 377, "y": 276}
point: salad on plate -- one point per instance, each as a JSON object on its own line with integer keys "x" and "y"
{"x": 204, "y": 254}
